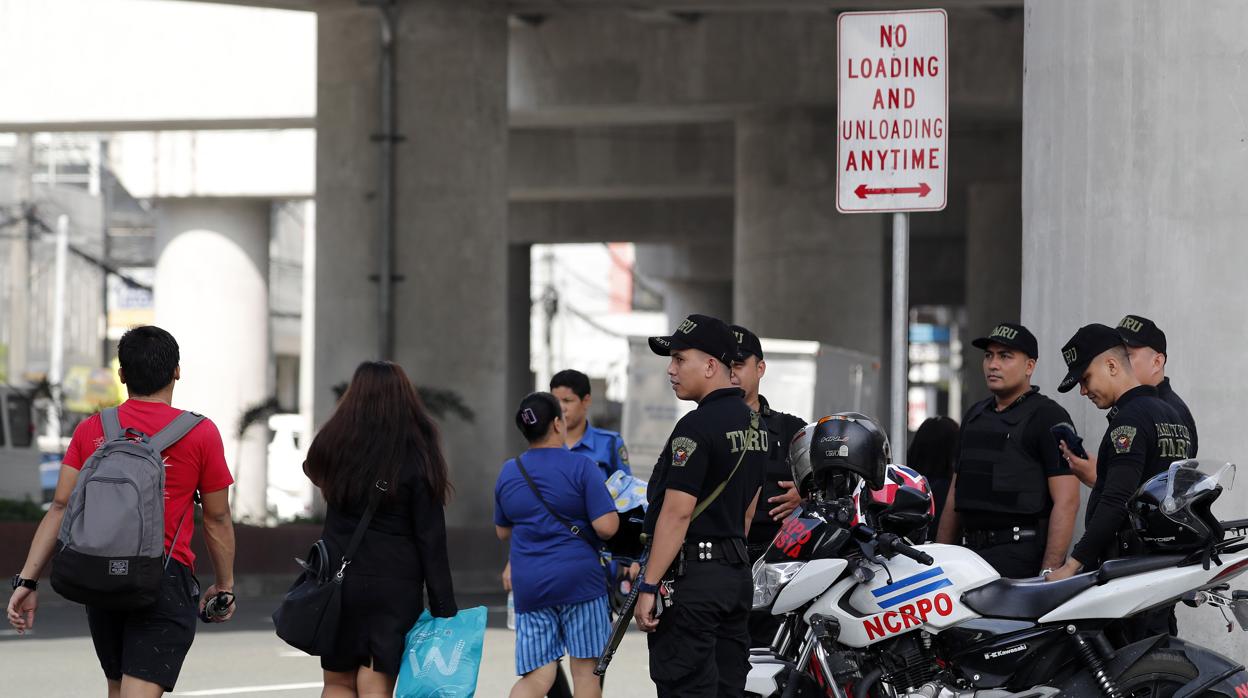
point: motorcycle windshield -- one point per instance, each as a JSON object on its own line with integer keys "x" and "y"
{"x": 1191, "y": 478}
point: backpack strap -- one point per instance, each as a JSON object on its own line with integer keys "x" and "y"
{"x": 111, "y": 423}
{"x": 175, "y": 430}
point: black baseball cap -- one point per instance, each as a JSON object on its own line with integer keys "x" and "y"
{"x": 1010, "y": 335}
{"x": 1139, "y": 331}
{"x": 747, "y": 343}
{"x": 701, "y": 332}
{"x": 1087, "y": 344}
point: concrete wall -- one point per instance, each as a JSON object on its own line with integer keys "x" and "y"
{"x": 1135, "y": 151}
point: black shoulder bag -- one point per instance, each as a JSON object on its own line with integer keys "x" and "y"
{"x": 577, "y": 531}
{"x": 308, "y": 617}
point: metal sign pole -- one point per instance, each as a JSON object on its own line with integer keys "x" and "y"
{"x": 901, "y": 347}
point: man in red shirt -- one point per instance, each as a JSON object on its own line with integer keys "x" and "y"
{"x": 142, "y": 651}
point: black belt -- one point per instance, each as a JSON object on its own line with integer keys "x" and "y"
{"x": 732, "y": 550}
{"x": 978, "y": 539}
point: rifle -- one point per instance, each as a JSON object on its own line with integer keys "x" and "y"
{"x": 620, "y": 626}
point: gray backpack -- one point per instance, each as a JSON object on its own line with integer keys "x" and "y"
{"x": 111, "y": 546}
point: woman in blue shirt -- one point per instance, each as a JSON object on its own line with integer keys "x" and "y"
{"x": 558, "y": 582}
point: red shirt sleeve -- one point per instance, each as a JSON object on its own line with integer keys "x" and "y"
{"x": 215, "y": 473}
{"x": 84, "y": 442}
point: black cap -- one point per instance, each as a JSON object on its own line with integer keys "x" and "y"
{"x": 701, "y": 332}
{"x": 1010, "y": 335}
{"x": 747, "y": 343}
{"x": 1087, "y": 344}
{"x": 1139, "y": 331}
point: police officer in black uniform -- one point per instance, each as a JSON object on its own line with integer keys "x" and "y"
{"x": 1012, "y": 494}
{"x": 780, "y": 496}
{"x": 696, "y": 593}
{"x": 1146, "y": 345}
{"x": 1144, "y": 437}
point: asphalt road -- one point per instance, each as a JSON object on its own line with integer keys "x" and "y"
{"x": 244, "y": 658}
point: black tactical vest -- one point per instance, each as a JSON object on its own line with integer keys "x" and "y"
{"x": 995, "y": 474}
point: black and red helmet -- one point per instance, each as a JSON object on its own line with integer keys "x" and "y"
{"x": 848, "y": 443}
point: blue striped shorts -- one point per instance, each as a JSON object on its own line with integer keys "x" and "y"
{"x": 542, "y": 636}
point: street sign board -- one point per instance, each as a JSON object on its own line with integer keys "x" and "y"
{"x": 892, "y": 111}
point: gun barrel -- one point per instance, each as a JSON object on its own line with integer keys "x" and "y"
{"x": 619, "y": 628}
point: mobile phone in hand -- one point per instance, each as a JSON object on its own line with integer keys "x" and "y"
{"x": 1066, "y": 432}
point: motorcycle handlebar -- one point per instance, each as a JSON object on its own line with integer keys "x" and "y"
{"x": 896, "y": 545}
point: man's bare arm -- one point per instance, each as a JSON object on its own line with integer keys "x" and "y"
{"x": 219, "y": 536}
{"x": 1064, "y": 490}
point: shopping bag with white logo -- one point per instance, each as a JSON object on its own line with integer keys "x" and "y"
{"x": 443, "y": 656}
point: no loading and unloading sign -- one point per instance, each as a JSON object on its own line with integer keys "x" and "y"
{"x": 892, "y": 111}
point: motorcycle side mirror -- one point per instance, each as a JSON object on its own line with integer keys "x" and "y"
{"x": 909, "y": 499}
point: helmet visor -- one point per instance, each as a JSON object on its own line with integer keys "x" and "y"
{"x": 1190, "y": 479}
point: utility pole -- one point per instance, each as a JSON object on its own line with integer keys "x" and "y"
{"x": 56, "y": 360}
{"x": 19, "y": 259}
{"x": 105, "y": 185}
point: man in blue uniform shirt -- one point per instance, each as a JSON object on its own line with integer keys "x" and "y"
{"x": 606, "y": 448}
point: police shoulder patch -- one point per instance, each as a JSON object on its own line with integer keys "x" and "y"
{"x": 1122, "y": 438}
{"x": 623, "y": 454}
{"x": 682, "y": 448}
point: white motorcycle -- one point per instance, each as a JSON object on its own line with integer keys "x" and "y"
{"x": 868, "y": 615}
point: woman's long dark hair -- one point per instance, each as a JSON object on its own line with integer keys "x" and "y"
{"x": 934, "y": 447}
{"x": 380, "y": 424}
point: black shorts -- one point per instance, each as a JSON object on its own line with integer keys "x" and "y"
{"x": 150, "y": 643}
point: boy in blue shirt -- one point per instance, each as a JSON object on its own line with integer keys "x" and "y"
{"x": 604, "y": 447}
{"x": 556, "y": 576}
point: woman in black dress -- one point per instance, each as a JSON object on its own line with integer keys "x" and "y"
{"x": 380, "y": 432}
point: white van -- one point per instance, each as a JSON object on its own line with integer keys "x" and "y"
{"x": 19, "y": 450}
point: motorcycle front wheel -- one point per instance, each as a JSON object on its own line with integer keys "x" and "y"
{"x": 1158, "y": 674}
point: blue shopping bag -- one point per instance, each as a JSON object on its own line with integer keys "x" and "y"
{"x": 442, "y": 656}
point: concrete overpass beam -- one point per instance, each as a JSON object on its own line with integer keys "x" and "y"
{"x": 628, "y": 162}
{"x": 701, "y": 219}
{"x": 606, "y": 67}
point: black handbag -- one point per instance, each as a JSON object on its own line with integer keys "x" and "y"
{"x": 309, "y": 615}
{"x": 575, "y": 530}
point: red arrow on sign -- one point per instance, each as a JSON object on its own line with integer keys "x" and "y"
{"x": 922, "y": 190}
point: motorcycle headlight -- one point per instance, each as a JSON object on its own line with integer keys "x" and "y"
{"x": 770, "y": 578}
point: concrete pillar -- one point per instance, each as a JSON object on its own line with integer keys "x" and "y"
{"x": 993, "y": 271}
{"x": 693, "y": 278}
{"x": 212, "y": 272}
{"x": 520, "y": 379}
{"x": 1133, "y": 151}
{"x": 450, "y": 250}
{"x": 803, "y": 270}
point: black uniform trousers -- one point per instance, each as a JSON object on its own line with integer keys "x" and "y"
{"x": 701, "y": 647}
{"x": 1015, "y": 560}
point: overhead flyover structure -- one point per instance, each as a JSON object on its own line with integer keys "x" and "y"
{"x": 703, "y": 130}
{"x": 1118, "y": 191}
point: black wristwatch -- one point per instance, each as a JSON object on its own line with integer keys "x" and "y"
{"x": 19, "y": 581}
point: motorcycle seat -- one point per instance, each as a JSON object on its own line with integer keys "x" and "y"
{"x": 1127, "y": 566}
{"x": 1025, "y": 598}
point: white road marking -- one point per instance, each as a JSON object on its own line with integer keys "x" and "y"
{"x": 249, "y": 689}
